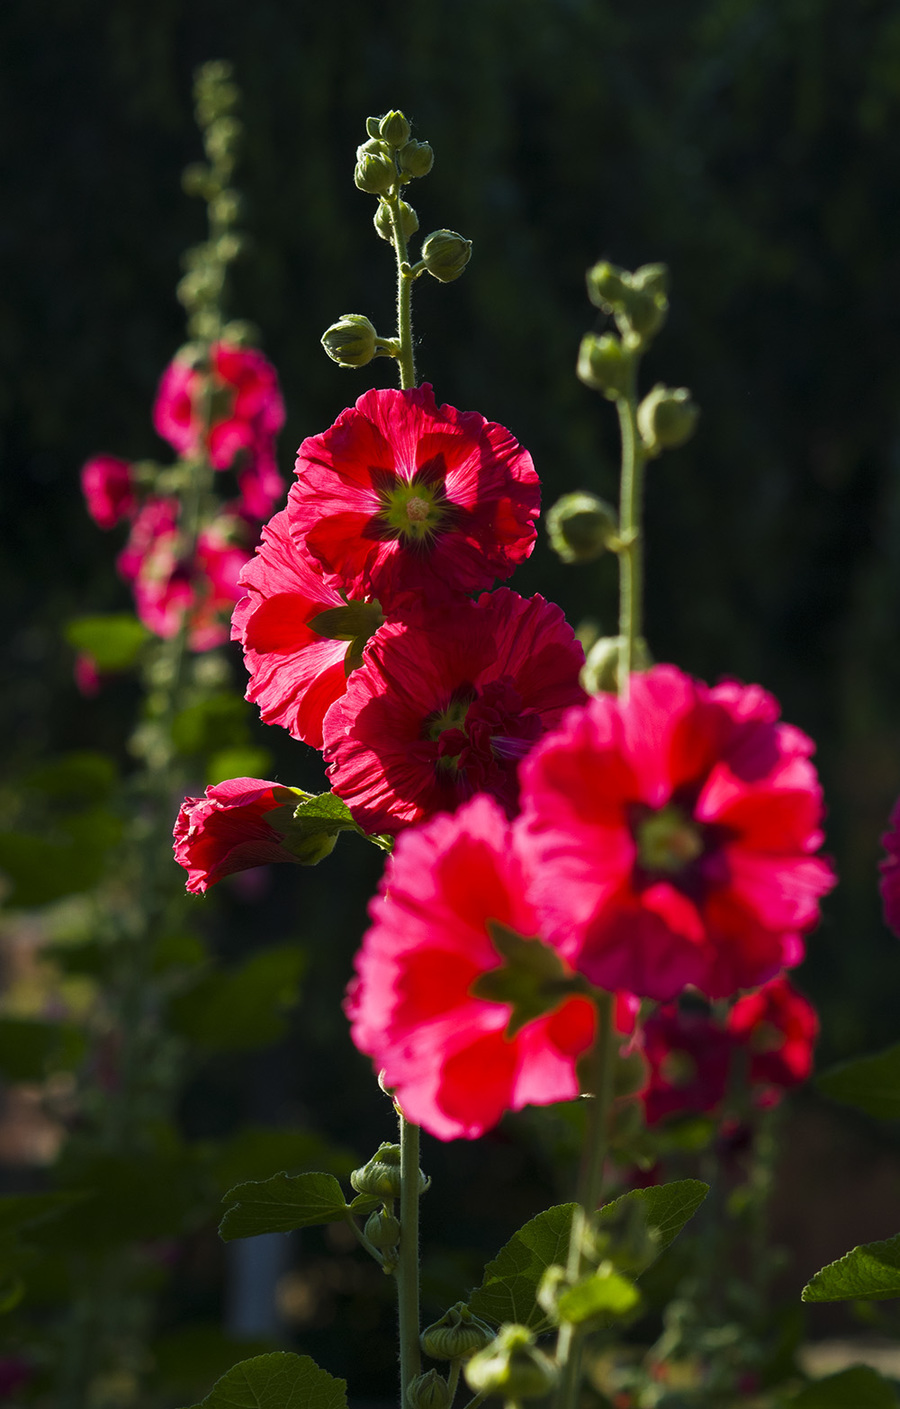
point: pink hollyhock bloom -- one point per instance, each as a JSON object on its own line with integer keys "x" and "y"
{"x": 779, "y": 1027}
{"x": 890, "y": 873}
{"x": 228, "y": 831}
{"x": 301, "y": 637}
{"x": 261, "y": 485}
{"x": 403, "y": 495}
{"x": 672, "y": 836}
{"x": 689, "y": 1056}
{"x": 87, "y": 677}
{"x": 107, "y": 484}
{"x": 245, "y": 406}
{"x": 446, "y": 703}
{"x": 419, "y": 1005}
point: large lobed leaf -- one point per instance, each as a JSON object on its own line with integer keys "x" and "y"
{"x": 870, "y": 1272}
{"x": 281, "y": 1204}
{"x": 279, "y": 1380}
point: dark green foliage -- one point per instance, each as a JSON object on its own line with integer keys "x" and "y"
{"x": 242, "y": 1007}
{"x": 867, "y": 1273}
{"x": 276, "y": 1381}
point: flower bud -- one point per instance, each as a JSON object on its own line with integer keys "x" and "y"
{"x": 416, "y": 159}
{"x": 239, "y": 332}
{"x": 428, "y": 1391}
{"x": 373, "y": 124}
{"x": 607, "y": 288}
{"x": 666, "y": 417}
{"x": 512, "y": 1366}
{"x": 198, "y": 180}
{"x": 580, "y": 527}
{"x": 225, "y": 207}
{"x": 375, "y": 170}
{"x": 382, "y": 1230}
{"x": 409, "y": 221}
{"x": 446, "y": 254}
{"x": 604, "y": 364}
{"x": 643, "y": 315}
{"x": 394, "y": 129}
{"x": 652, "y": 279}
{"x": 457, "y": 1335}
{"x": 381, "y": 1175}
{"x": 351, "y": 340}
{"x": 600, "y": 672}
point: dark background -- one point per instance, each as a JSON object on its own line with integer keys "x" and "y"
{"x": 749, "y": 144}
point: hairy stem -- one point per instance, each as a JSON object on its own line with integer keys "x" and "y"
{"x": 631, "y": 566}
{"x": 408, "y": 1264}
{"x": 405, "y": 281}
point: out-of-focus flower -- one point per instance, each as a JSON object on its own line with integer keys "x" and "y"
{"x": 87, "y": 677}
{"x": 109, "y": 491}
{"x": 779, "y": 1027}
{"x": 689, "y": 1056}
{"x": 890, "y": 872}
{"x": 672, "y": 837}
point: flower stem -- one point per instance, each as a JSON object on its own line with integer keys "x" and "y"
{"x": 405, "y": 281}
{"x": 590, "y": 1186}
{"x": 408, "y": 1264}
{"x": 631, "y": 566}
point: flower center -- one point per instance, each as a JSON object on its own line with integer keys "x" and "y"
{"x": 668, "y": 840}
{"x": 414, "y": 510}
{"x": 417, "y": 509}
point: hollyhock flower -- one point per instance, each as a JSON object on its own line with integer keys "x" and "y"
{"x": 688, "y": 1055}
{"x": 108, "y": 487}
{"x": 260, "y": 485}
{"x": 672, "y": 837}
{"x": 890, "y": 873}
{"x": 779, "y": 1027}
{"x": 87, "y": 677}
{"x": 403, "y": 495}
{"x": 446, "y": 703}
{"x": 238, "y": 824}
{"x": 301, "y": 637}
{"x": 427, "y": 1002}
{"x": 245, "y": 406}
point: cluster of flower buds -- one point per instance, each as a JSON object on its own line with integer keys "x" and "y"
{"x": 512, "y": 1366}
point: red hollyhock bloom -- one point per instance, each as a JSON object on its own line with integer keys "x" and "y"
{"x": 246, "y": 409}
{"x": 890, "y": 873}
{"x": 779, "y": 1027}
{"x": 300, "y": 636}
{"x": 231, "y": 829}
{"x": 672, "y": 837}
{"x": 108, "y": 487}
{"x": 419, "y": 1005}
{"x": 261, "y": 485}
{"x": 688, "y": 1055}
{"x": 446, "y": 703}
{"x": 403, "y": 495}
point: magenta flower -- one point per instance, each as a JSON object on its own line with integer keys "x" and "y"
{"x": 672, "y": 837}
{"x": 234, "y": 827}
{"x": 779, "y": 1027}
{"x": 403, "y": 495}
{"x": 109, "y": 491}
{"x": 419, "y": 1004}
{"x": 890, "y": 872}
{"x": 446, "y": 703}
{"x": 689, "y": 1059}
{"x": 243, "y": 405}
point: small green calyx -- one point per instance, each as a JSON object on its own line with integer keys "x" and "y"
{"x": 414, "y": 511}
{"x": 581, "y": 527}
{"x": 445, "y": 255}
{"x": 512, "y": 1366}
{"x": 533, "y": 979}
{"x": 668, "y": 840}
{"x": 416, "y": 159}
{"x": 458, "y": 1334}
{"x": 356, "y": 622}
{"x": 352, "y": 341}
{"x": 604, "y": 365}
{"x": 376, "y": 170}
{"x": 384, "y": 225}
{"x": 428, "y": 1391}
{"x": 380, "y": 1177}
{"x": 382, "y": 1230}
{"x": 666, "y": 418}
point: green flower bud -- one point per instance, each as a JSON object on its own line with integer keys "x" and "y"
{"x": 416, "y": 159}
{"x": 374, "y": 147}
{"x": 394, "y": 129}
{"x": 239, "y": 332}
{"x": 666, "y": 417}
{"x": 221, "y": 138}
{"x": 375, "y": 172}
{"x": 381, "y": 1175}
{"x": 642, "y": 316}
{"x": 604, "y": 364}
{"x": 409, "y": 221}
{"x": 446, "y": 254}
{"x": 198, "y": 180}
{"x": 581, "y": 526}
{"x": 351, "y": 341}
{"x": 373, "y": 125}
{"x": 457, "y": 1335}
{"x": 382, "y": 1230}
{"x": 607, "y": 286}
{"x": 225, "y": 207}
{"x": 228, "y": 247}
{"x": 652, "y": 279}
{"x": 428, "y": 1391}
{"x": 512, "y": 1366}
{"x": 600, "y": 672}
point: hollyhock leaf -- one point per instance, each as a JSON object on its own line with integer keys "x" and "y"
{"x": 860, "y": 1386}
{"x": 872, "y": 1084}
{"x": 666, "y": 1207}
{"x": 244, "y": 1007}
{"x": 279, "y": 1380}
{"x": 113, "y": 642}
{"x": 509, "y": 1289}
{"x": 281, "y": 1204}
{"x": 605, "y": 1294}
{"x": 870, "y": 1272}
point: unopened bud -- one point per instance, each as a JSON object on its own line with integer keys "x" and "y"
{"x": 643, "y": 315}
{"x": 604, "y": 364}
{"x": 375, "y": 170}
{"x": 606, "y": 284}
{"x": 512, "y": 1366}
{"x": 198, "y": 180}
{"x": 351, "y": 341}
{"x": 581, "y": 527}
{"x": 241, "y": 333}
{"x": 428, "y": 1391}
{"x": 600, "y": 672}
{"x": 457, "y": 1335}
{"x": 221, "y": 137}
{"x": 381, "y": 1175}
{"x": 382, "y": 1230}
{"x": 446, "y": 254}
{"x": 652, "y": 279}
{"x": 666, "y": 417}
{"x": 394, "y": 129}
{"x": 373, "y": 125}
{"x": 416, "y": 159}
{"x": 225, "y": 207}
{"x": 409, "y": 221}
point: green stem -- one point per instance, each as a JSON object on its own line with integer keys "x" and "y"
{"x": 453, "y": 1378}
{"x": 590, "y": 1188}
{"x": 408, "y": 1264}
{"x": 631, "y": 567}
{"x": 405, "y": 281}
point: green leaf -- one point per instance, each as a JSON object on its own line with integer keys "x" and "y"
{"x": 221, "y": 722}
{"x": 281, "y": 1204}
{"x": 21, "y": 1211}
{"x": 857, "y": 1388}
{"x": 247, "y": 762}
{"x": 605, "y": 1293}
{"x": 326, "y": 814}
{"x": 114, "y": 642}
{"x": 666, "y": 1208}
{"x": 872, "y": 1084}
{"x": 279, "y": 1380}
{"x": 510, "y": 1283}
{"x": 870, "y": 1272}
{"x": 243, "y": 1007}
{"x": 30, "y": 1049}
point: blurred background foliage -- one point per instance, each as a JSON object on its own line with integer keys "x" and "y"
{"x": 749, "y": 144}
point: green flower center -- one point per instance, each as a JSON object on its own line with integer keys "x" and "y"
{"x": 668, "y": 840}
{"x": 415, "y": 510}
